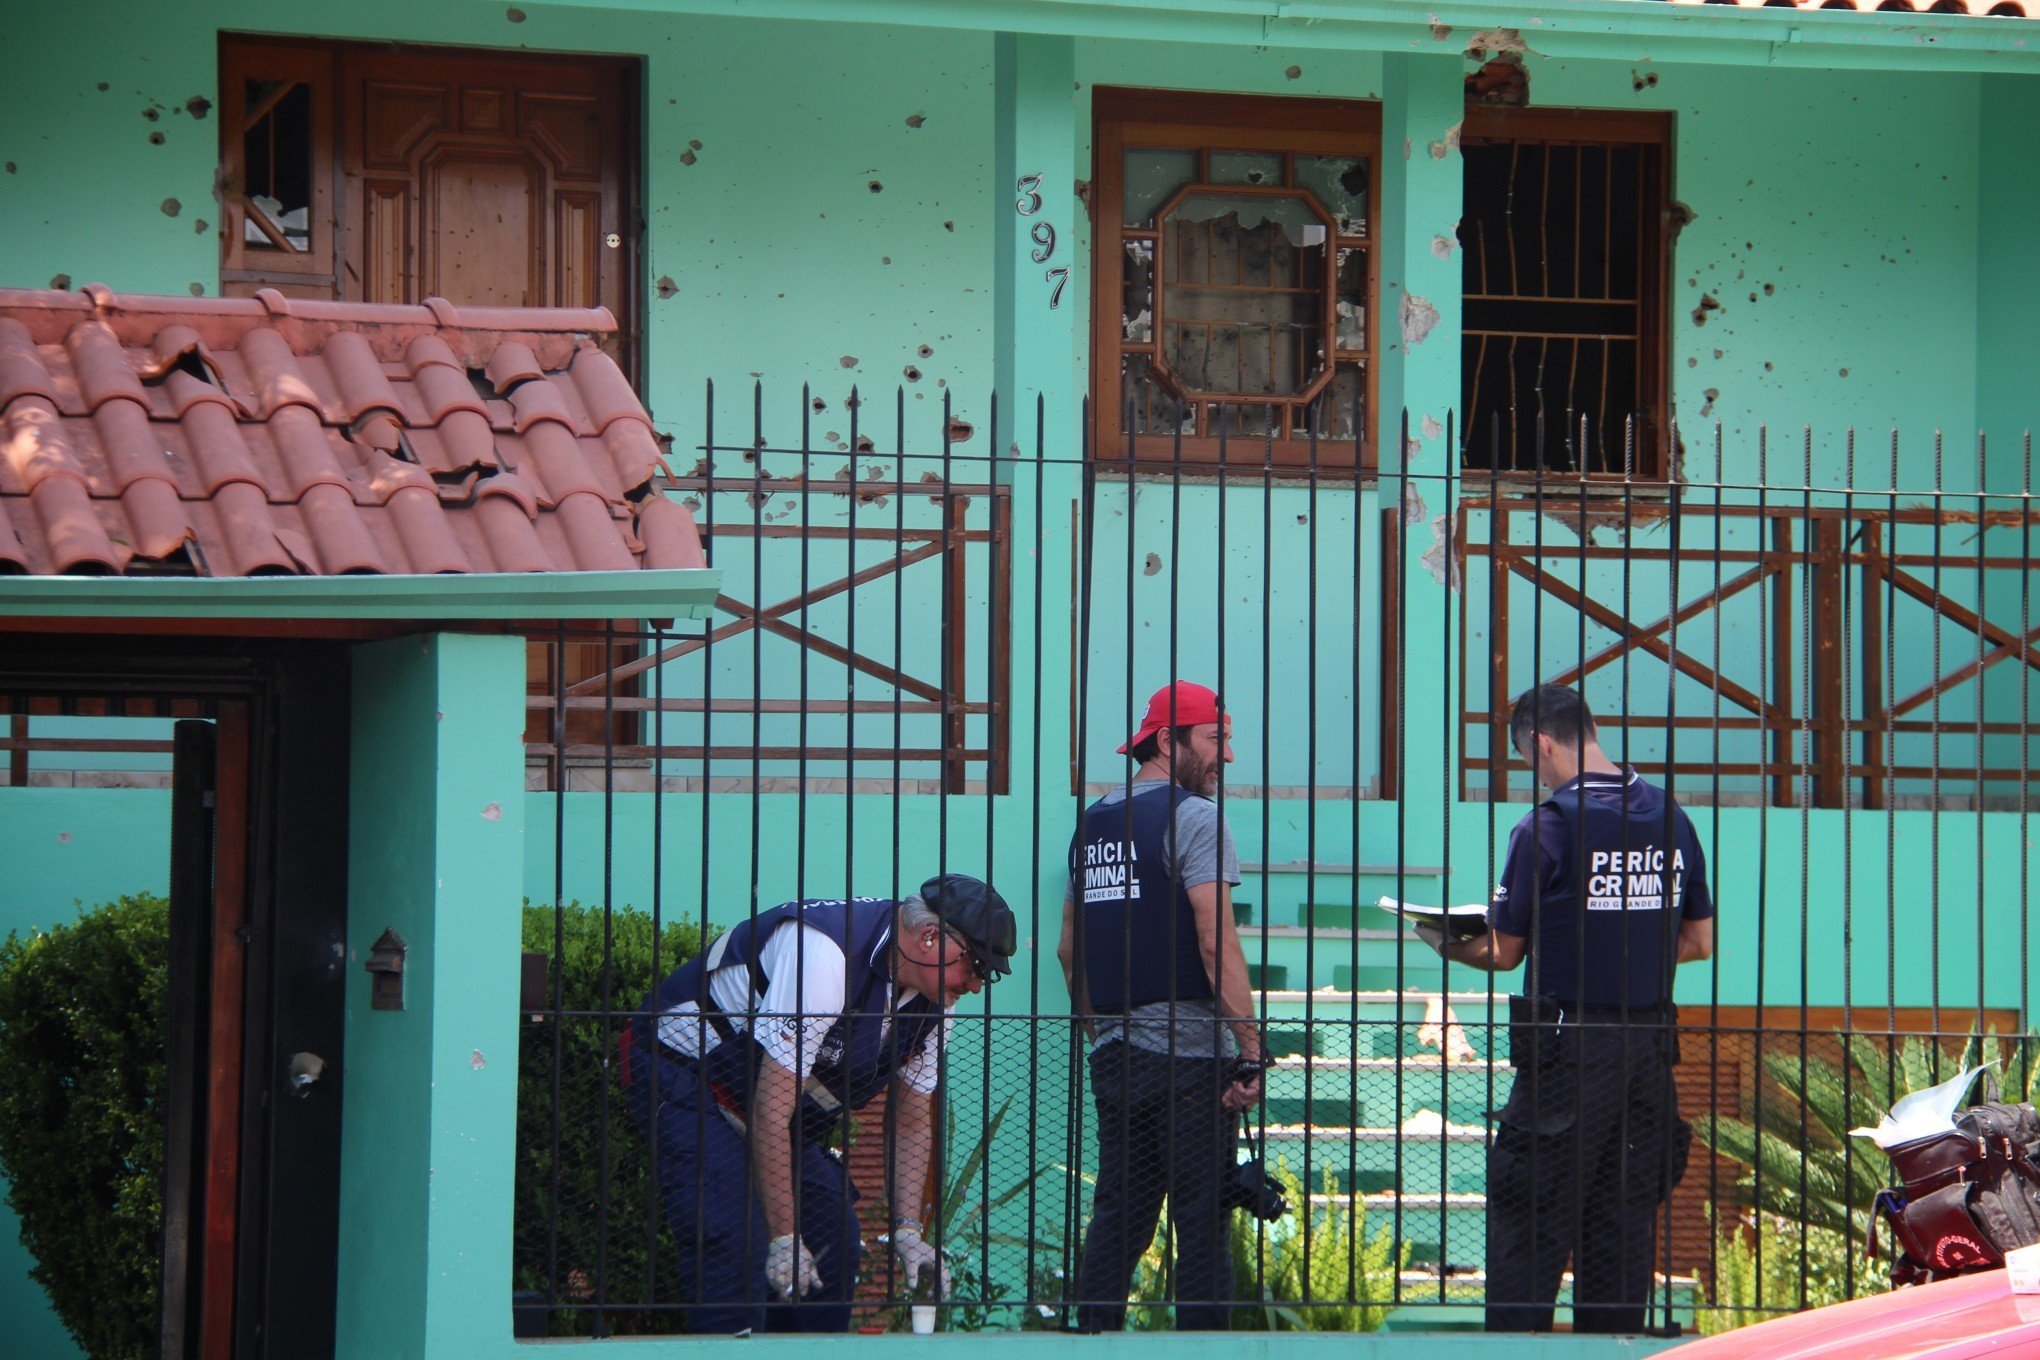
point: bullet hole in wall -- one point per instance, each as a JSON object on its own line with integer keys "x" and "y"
{"x": 156, "y": 139}
{"x": 171, "y": 207}
{"x": 60, "y": 282}
{"x": 198, "y": 106}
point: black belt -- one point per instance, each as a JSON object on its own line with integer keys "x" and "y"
{"x": 1544, "y": 1011}
{"x": 1656, "y": 1010}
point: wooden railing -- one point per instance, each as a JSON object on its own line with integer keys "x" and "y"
{"x": 971, "y": 655}
{"x": 1814, "y": 685}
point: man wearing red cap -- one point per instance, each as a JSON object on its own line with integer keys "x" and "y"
{"x": 1155, "y": 969}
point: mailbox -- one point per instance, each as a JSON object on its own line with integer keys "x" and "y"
{"x": 386, "y": 967}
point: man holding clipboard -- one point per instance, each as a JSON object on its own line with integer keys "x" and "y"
{"x": 1604, "y": 891}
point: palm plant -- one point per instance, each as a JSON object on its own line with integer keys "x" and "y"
{"x": 1806, "y": 1196}
{"x": 963, "y": 1226}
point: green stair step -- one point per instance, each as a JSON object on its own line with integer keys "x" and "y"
{"x": 1372, "y": 977}
{"x": 1274, "y": 976}
{"x": 1242, "y": 913}
{"x": 1318, "y": 1108}
{"x": 1295, "y": 1041}
{"x": 1328, "y": 915}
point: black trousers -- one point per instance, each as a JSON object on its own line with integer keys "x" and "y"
{"x": 1589, "y": 1145}
{"x": 1162, "y": 1133}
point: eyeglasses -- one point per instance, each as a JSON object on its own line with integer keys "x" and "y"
{"x": 978, "y": 966}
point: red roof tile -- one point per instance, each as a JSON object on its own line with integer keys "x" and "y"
{"x": 236, "y": 436}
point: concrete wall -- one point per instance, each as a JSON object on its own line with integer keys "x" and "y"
{"x": 1859, "y": 198}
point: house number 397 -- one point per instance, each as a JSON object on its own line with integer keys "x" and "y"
{"x": 1027, "y": 202}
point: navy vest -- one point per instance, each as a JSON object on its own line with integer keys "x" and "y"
{"x": 855, "y": 1061}
{"x": 1139, "y": 932}
{"x": 1630, "y": 855}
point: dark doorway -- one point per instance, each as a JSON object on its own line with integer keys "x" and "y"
{"x": 255, "y": 1017}
{"x": 1564, "y": 265}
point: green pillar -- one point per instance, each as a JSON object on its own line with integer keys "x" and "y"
{"x": 436, "y": 809}
{"x": 1423, "y": 105}
{"x": 1038, "y": 306}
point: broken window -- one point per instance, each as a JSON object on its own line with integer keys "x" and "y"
{"x": 1565, "y": 250}
{"x": 276, "y": 165}
{"x": 1233, "y": 312}
{"x": 276, "y": 168}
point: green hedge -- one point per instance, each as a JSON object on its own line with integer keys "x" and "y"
{"x": 81, "y": 1134}
{"x": 81, "y": 1131}
{"x": 619, "y": 1238}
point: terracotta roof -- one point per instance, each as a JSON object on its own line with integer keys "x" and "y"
{"x": 2001, "y": 9}
{"x": 242, "y": 436}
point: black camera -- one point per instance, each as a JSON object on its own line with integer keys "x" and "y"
{"x": 1248, "y": 1186}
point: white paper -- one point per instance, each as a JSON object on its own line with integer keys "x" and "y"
{"x": 1459, "y": 922}
{"x": 1921, "y": 1114}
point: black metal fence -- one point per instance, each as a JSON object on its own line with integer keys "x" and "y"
{"x": 936, "y": 627}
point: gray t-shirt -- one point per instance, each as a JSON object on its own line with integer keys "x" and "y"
{"x": 1197, "y": 849}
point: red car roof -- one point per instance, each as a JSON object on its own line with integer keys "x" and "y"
{"x": 1972, "y": 1315}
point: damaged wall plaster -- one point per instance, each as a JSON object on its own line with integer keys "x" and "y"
{"x": 1418, "y": 318}
{"x": 1439, "y": 559}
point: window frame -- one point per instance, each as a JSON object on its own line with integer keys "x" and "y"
{"x": 1196, "y": 121}
{"x": 1652, "y": 129}
{"x": 311, "y": 273}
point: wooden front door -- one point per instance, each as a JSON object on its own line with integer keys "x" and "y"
{"x": 382, "y": 174}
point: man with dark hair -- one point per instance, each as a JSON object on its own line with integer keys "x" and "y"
{"x": 744, "y": 1059}
{"x": 1153, "y": 961}
{"x": 1604, "y": 891}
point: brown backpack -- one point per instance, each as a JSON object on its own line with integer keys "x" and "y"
{"x": 1966, "y": 1197}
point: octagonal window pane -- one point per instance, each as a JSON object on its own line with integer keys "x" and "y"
{"x": 1243, "y": 304}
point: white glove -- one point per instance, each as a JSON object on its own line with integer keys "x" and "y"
{"x": 790, "y": 1268}
{"x": 915, "y": 1255}
{"x": 1433, "y": 936}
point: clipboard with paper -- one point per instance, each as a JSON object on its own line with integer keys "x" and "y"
{"x": 1459, "y": 923}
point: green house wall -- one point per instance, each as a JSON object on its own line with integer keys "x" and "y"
{"x": 1881, "y": 213}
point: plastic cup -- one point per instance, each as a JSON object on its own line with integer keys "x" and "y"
{"x": 2022, "y": 1264}
{"x": 923, "y": 1316}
